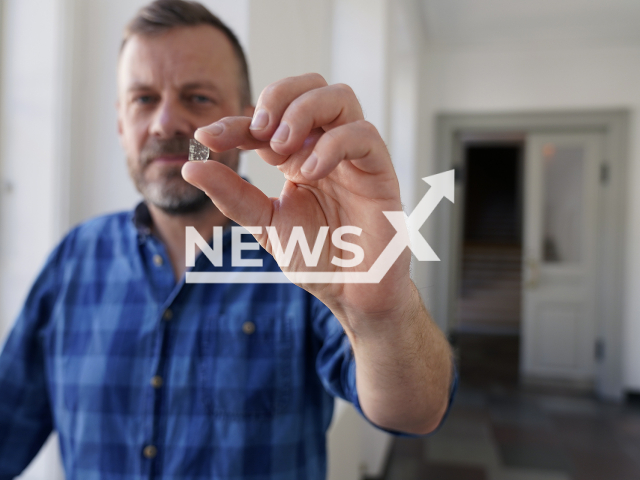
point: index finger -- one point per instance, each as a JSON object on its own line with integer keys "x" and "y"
{"x": 233, "y": 132}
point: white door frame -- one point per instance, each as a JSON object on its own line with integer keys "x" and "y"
{"x": 444, "y": 235}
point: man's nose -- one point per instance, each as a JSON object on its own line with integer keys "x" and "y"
{"x": 170, "y": 121}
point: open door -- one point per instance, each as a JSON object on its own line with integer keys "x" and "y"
{"x": 559, "y": 245}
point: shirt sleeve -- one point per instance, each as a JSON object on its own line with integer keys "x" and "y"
{"x": 336, "y": 365}
{"x": 25, "y": 414}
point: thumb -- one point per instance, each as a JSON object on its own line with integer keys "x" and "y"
{"x": 236, "y": 198}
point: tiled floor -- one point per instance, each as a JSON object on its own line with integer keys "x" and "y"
{"x": 501, "y": 434}
{"x": 498, "y": 431}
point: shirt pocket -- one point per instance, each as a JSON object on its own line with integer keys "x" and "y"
{"x": 246, "y": 365}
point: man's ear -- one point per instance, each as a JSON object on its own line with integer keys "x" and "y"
{"x": 248, "y": 110}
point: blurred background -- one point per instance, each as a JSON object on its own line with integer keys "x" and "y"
{"x": 534, "y": 104}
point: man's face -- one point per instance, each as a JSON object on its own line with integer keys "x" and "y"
{"x": 168, "y": 86}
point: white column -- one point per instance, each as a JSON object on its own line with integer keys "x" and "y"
{"x": 287, "y": 38}
{"x": 28, "y": 162}
{"x": 360, "y": 55}
{"x": 361, "y": 59}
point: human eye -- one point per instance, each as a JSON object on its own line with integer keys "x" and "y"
{"x": 144, "y": 99}
{"x": 201, "y": 99}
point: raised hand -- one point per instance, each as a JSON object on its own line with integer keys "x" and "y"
{"x": 338, "y": 174}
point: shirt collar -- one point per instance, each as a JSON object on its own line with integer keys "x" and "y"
{"x": 141, "y": 218}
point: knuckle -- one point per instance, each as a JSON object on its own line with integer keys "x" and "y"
{"x": 345, "y": 89}
{"x": 316, "y": 77}
{"x": 282, "y": 88}
{"x": 333, "y": 139}
{"x": 367, "y": 127}
{"x": 349, "y": 98}
{"x": 304, "y": 102}
{"x": 271, "y": 91}
{"x": 295, "y": 110}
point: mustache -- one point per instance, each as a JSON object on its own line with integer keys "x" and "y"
{"x": 157, "y": 147}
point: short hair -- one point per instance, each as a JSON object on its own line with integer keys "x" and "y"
{"x": 163, "y": 15}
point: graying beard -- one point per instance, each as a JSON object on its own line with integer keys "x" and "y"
{"x": 173, "y": 204}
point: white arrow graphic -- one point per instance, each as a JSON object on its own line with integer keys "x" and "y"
{"x": 442, "y": 185}
{"x": 407, "y": 235}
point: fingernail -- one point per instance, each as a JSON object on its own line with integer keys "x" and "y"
{"x": 213, "y": 129}
{"x": 310, "y": 164}
{"x": 282, "y": 133}
{"x": 260, "y": 120}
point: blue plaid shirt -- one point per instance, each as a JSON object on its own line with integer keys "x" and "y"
{"x": 143, "y": 377}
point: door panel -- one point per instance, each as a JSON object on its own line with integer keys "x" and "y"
{"x": 557, "y": 330}
{"x": 561, "y": 201}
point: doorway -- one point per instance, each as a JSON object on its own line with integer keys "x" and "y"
{"x": 570, "y": 322}
{"x": 487, "y": 332}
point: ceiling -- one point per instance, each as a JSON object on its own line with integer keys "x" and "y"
{"x": 464, "y": 23}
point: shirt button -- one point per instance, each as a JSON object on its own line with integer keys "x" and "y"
{"x": 156, "y": 381}
{"x": 168, "y": 314}
{"x": 150, "y": 451}
{"x": 157, "y": 259}
{"x": 248, "y": 327}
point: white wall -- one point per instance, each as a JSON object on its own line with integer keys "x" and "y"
{"x": 287, "y": 38}
{"x": 29, "y": 178}
{"x": 511, "y": 78}
{"x": 28, "y": 150}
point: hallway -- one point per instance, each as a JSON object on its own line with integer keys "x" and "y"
{"x": 502, "y": 434}
{"x": 498, "y": 430}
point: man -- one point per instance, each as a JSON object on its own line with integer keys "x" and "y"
{"x": 144, "y": 375}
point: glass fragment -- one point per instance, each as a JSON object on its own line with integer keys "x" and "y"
{"x": 197, "y": 151}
